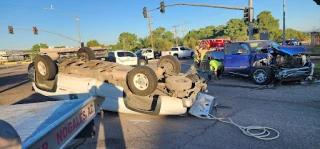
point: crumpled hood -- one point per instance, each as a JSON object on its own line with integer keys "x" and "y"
{"x": 292, "y": 50}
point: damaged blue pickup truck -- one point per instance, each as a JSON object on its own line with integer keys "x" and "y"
{"x": 265, "y": 60}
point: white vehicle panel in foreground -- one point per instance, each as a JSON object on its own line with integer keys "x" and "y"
{"x": 51, "y": 124}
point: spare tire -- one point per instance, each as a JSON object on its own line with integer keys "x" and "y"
{"x": 178, "y": 83}
{"x": 142, "y": 81}
{"x": 86, "y": 53}
{"x": 170, "y": 64}
{"x": 45, "y": 67}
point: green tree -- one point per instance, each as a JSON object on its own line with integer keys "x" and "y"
{"x": 236, "y": 29}
{"x": 127, "y": 41}
{"x": 35, "y": 48}
{"x": 60, "y": 47}
{"x": 93, "y": 43}
{"x": 43, "y": 45}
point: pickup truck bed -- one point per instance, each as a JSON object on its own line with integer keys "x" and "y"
{"x": 51, "y": 124}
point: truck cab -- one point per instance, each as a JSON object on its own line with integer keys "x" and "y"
{"x": 146, "y": 52}
{"x": 128, "y": 58}
{"x": 179, "y": 52}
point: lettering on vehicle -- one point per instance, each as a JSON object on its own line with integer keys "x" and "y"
{"x": 63, "y": 132}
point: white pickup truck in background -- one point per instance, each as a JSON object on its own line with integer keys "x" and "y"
{"x": 179, "y": 52}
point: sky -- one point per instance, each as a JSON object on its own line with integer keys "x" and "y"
{"x": 105, "y": 20}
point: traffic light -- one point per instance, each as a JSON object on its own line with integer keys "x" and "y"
{"x": 35, "y": 30}
{"x": 145, "y": 12}
{"x": 10, "y": 28}
{"x": 162, "y": 7}
{"x": 255, "y": 31}
{"x": 246, "y": 15}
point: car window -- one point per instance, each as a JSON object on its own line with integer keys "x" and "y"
{"x": 182, "y": 48}
{"x": 174, "y": 49}
{"x": 258, "y": 45}
{"x": 129, "y": 54}
{"x": 235, "y": 49}
{"x": 245, "y": 46}
{"x": 111, "y": 54}
{"x": 139, "y": 51}
{"x": 217, "y": 55}
{"x": 149, "y": 51}
{"x": 120, "y": 54}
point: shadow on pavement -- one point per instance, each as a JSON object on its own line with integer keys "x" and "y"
{"x": 34, "y": 98}
{"x": 7, "y": 80}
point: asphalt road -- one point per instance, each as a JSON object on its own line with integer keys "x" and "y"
{"x": 291, "y": 109}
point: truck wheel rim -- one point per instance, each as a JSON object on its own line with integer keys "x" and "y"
{"x": 168, "y": 66}
{"x": 260, "y": 76}
{"x": 42, "y": 68}
{"x": 140, "y": 81}
{"x": 142, "y": 63}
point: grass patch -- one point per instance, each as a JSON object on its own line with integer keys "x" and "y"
{"x": 317, "y": 69}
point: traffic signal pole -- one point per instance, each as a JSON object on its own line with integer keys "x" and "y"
{"x": 50, "y": 33}
{"x": 250, "y": 20}
{"x": 250, "y": 7}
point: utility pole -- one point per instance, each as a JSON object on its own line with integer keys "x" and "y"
{"x": 182, "y": 28}
{"x": 250, "y": 20}
{"x": 284, "y": 22}
{"x": 175, "y": 34}
{"x": 124, "y": 43}
{"x": 150, "y": 30}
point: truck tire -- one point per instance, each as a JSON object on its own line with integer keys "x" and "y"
{"x": 176, "y": 55}
{"x": 191, "y": 55}
{"x": 142, "y": 81}
{"x": 178, "y": 83}
{"x": 45, "y": 67}
{"x": 142, "y": 62}
{"x": 170, "y": 63}
{"x": 262, "y": 75}
{"x": 86, "y": 53}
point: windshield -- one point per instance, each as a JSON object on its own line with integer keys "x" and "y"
{"x": 139, "y": 51}
{"x": 258, "y": 45}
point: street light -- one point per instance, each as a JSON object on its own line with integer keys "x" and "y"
{"x": 67, "y": 13}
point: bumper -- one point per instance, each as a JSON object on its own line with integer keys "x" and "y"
{"x": 294, "y": 73}
{"x": 202, "y": 107}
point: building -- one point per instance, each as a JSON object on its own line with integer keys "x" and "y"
{"x": 12, "y": 56}
{"x": 315, "y": 38}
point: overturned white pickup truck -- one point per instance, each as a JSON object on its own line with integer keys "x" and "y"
{"x": 163, "y": 91}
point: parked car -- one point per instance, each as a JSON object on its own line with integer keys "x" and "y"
{"x": 128, "y": 58}
{"x": 179, "y": 52}
{"x": 292, "y": 42}
{"x": 265, "y": 60}
{"x": 146, "y": 52}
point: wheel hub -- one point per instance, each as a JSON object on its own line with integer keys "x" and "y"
{"x": 42, "y": 68}
{"x": 140, "y": 81}
{"x": 260, "y": 76}
{"x": 168, "y": 66}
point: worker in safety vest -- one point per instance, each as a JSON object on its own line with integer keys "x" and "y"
{"x": 196, "y": 58}
{"x": 216, "y": 67}
{"x": 204, "y": 58}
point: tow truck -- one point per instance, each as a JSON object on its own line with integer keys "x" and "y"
{"x": 85, "y": 86}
